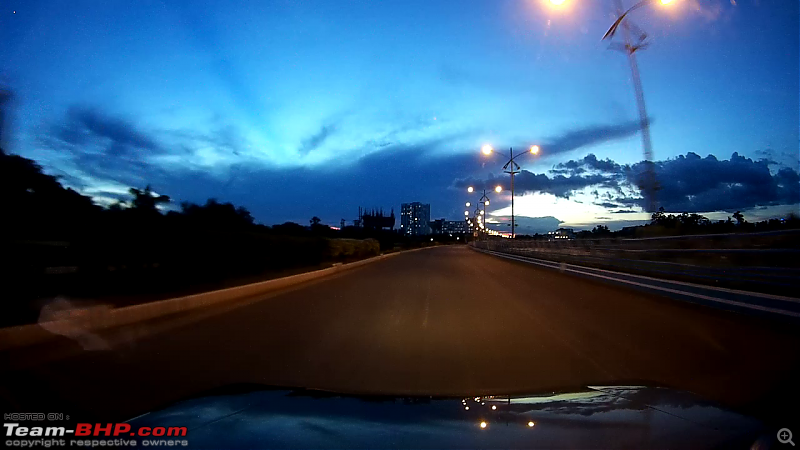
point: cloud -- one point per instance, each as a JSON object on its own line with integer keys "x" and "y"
{"x": 83, "y": 125}
{"x": 100, "y": 146}
{"x": 587, "y": 136}
{"x": 590, "y": 161}
{"x": 525, "y": 225}
{"x": 689, "y": 182}
{"x": 314, "y": 141}
{"x": 694, "y": 184}
{"x": 528, "y": 182}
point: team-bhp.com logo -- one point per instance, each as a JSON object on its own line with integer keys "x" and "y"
{"x": 97, "y": 429}
{"x": 92, "y": 435}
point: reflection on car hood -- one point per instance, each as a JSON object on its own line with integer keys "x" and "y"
{"x": 594, "y": 417}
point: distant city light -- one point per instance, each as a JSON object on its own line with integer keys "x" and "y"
{"x": 483, "y": 424}
{"x": 494, "y": 407}
{"x": 531, "y": 424}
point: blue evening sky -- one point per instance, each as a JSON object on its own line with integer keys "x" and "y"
{"x": 296, "y": 108}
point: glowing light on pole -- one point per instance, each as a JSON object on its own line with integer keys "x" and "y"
{"x": 512, "y": 168}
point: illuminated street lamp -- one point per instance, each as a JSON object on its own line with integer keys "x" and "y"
{"x": 468, "y": 204}
{"x": 484, "y": 200}
{"x": 512, "y": 168}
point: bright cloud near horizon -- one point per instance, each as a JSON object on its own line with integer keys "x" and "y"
{"x": 296, "y": 108}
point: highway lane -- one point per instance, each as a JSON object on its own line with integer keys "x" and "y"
{"x": 443, "y": 321}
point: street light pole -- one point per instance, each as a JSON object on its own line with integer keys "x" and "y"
{"x": 482, "y": 203}
{"x": 511, "y": 168}
{"x": 512, "y": 172}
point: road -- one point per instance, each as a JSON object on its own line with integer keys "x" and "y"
{"x": 442, "y": 321}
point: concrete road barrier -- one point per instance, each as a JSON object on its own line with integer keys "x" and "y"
{"x": 95, "y": 319}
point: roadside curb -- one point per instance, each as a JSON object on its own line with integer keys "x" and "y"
{"x": 95, "y": 319}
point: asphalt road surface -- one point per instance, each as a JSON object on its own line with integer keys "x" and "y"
{"x": 442, "y": 321}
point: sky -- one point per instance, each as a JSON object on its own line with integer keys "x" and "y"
{"x": 297, "y": 108}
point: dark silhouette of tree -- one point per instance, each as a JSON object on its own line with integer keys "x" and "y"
{"x": 739, "y": 218}
{"x": 117, "y": 206}
{"x": 146, "y": 201}
{"x": 216, "y": 215}
{"x": 658, "y": 216}
{"x": 289, "y": 229}
{"x": 601, "y": 230}
{"x": 38, "y": 203}
{"x": 315, "y": 221}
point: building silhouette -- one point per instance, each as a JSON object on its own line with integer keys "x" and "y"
{"x": 375, "y": 219}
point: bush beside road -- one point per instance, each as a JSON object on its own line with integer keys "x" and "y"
{"x": 155, "y": 267}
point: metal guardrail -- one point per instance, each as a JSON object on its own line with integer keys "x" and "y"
{"x": 768, "y": 270}
{"x": 736, "y": 300}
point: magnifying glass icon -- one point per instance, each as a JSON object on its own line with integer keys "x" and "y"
{"x": 785, "y": 436}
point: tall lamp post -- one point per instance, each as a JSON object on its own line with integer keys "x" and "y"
{"x": 480, "y": 208}
{"x": 512, "y": 168}
{"x": 630, "y": 48}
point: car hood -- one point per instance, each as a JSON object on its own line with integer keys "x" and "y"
{"x": 591, "y": 417}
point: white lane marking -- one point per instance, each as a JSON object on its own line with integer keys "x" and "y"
{"x": 649, "y": 286}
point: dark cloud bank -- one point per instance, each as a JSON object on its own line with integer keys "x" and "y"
{"x": 688, "y": 183}
{"x": 109, "y": 148}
